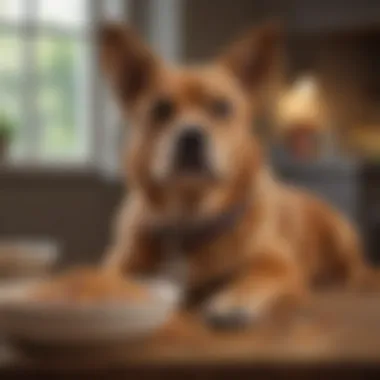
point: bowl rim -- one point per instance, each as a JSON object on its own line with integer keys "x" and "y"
{"x": 163, "y": 295}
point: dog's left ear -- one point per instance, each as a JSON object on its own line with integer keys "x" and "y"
{"x": 254, "y": 57}
{"x": 129, "y": 65}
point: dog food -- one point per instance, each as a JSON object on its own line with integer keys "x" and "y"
{"x": 87, "y": 285}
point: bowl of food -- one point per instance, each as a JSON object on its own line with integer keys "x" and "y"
{"x": 84, "y": 308}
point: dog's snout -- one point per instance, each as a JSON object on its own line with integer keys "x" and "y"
{"x": 191, "y": 141}
{"x": 191, "y": 149}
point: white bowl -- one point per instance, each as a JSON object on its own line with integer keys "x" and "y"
{"x": 44, "y": 323}
{"x": 23, "y": 258}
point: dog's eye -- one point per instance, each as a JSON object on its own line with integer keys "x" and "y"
{"x": 162, "y": 110}
{"x": 221, "y": 108}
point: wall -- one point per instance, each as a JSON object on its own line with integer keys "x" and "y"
{"x": 209, "y": 25}
{"x": 73, "y": 208}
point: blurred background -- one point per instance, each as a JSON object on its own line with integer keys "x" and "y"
{"x": 60, "y": 132}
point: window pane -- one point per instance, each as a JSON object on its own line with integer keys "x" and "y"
{"x": 11, "y": 10}
{"x": 10, "y": 83}
{"x": 61, "y": 108}
{"x": 63, "y": 12}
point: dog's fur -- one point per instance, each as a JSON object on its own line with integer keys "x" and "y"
{"x": 285, "y": 242}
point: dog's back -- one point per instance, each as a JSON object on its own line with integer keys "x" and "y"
{"x": 326, "y": 243}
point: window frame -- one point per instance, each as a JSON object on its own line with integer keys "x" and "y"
{"x": 97, "y": 116}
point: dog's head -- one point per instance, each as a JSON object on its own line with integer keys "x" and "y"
{"x": 191, "y": 128}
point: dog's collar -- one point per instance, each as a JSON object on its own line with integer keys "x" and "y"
{"x": 190, "y": 236}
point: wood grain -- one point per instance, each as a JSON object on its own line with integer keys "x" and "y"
{"x": 335, "y": 328}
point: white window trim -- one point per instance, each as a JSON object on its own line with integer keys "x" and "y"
{"x": 165, "y": 28}
{"x": 106, "y": 120}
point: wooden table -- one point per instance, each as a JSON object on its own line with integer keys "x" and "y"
{"x": 339, "y": 335}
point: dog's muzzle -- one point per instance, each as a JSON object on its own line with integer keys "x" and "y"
{"x": 190, "y": 156}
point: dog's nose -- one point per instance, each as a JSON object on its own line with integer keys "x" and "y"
{"x": 190, "y": 149}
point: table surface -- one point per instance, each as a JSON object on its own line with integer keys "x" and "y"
{"x": 338, "y": 328}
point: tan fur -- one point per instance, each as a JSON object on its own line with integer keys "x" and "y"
{"x": 287, "y": 240}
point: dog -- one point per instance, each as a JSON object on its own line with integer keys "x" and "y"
{"x": 200, "y": 188}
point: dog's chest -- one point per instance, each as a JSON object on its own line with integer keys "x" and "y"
{"x": 194, "y": 253}
{"x": 193, "y": 268}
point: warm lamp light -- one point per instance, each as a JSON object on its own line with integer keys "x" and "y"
{"x": 301, "y": 104}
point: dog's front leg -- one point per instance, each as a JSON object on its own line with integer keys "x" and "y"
{"x": 268, "y": 279}
{"x": 132, "y": 251}
{"x": 135, "y": 257}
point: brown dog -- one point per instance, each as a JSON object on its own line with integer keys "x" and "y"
{"x": 198, "y": 182}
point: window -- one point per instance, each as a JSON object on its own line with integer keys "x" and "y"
{"x": 44, "y": 78}
{"x": 50, "y": 86}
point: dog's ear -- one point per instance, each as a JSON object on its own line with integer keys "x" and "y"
{"x": 253, "y": 58}
{"x": 126, "y": 62}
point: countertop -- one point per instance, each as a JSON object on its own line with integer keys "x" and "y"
{"x": 338, "y": 334}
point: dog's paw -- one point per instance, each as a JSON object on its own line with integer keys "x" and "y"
{"x": 233, "y": 319}
{"x": 220, "y": 314}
